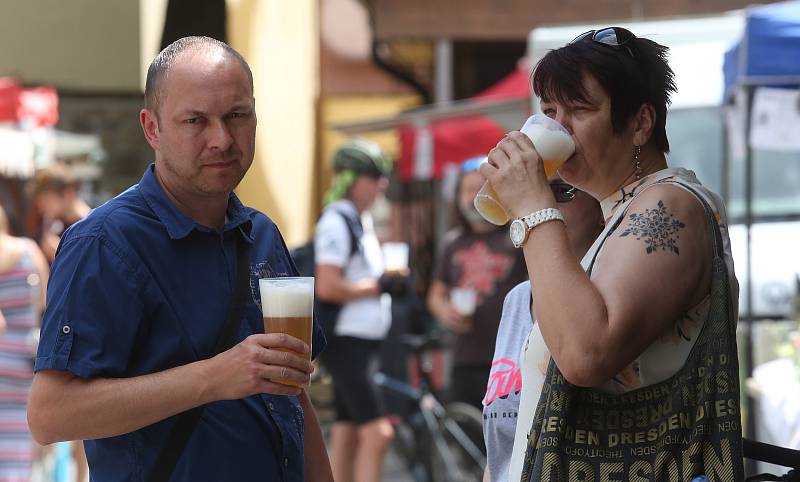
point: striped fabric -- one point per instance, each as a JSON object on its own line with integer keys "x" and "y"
{"x": 18, "y": 291}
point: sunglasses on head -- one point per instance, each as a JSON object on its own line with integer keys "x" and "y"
{"x": 614, "y": 37}
{"x": 563, "y": 192}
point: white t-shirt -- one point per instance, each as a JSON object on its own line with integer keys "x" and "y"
{"x": 367, "y": 318}
{"x": 502, "y": 400}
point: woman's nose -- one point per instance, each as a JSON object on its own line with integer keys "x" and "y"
{"x": 565, "y": 121}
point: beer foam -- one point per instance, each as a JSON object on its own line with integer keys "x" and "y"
{"x": 286, "y": 299}
{"x": 552, "y": 145}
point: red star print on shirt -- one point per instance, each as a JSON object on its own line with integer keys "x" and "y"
{"x": 481, "y": 268}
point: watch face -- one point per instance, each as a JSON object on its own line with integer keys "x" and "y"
{"x": 517, "y": 232}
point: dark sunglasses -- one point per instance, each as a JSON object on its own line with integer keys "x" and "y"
{"x": 614, "y": 37}
{"x": 563, "y": 192}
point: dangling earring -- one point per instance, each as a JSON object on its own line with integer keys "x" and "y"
{"x": 637, "y": 150}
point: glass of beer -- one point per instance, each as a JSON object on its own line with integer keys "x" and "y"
{"x": 395, "y": 258}
{"x": 554, "y": 145}
{"x": 288, "y": 307}
{"x": 464, "y": 301}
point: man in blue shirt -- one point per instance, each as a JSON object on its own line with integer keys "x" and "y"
{"x": 139, "y": 294}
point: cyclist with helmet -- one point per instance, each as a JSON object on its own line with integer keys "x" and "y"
{"x": 349, "y": 287}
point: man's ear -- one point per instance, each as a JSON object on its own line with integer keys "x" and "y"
{"x": 643, "y": 124}
{"x": 149, "y": 122}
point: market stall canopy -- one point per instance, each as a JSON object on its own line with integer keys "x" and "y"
{"x": 769, "y": 52}
{"x": 426, "y": 150}
{"x": 37, "y": 106}
{"x": 437, "y": 135}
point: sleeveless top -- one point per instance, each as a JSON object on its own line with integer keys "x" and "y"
{"x": 665, "y": 356}
{"x": 19, "y": 295}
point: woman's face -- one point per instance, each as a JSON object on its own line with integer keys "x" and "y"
{"x": 603, "y": 160}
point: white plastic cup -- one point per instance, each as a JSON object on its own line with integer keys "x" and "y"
{"x": 554, "y": 145}
{"x": 395, "y": 258}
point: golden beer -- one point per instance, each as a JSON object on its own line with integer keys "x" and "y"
{"x": 287, "y": 306}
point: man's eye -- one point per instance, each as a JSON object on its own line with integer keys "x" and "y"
{"x": 192, "y": 120}
{"x": 549, "y": 112}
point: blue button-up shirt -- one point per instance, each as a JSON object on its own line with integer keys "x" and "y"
{"x": 138, "y": 287}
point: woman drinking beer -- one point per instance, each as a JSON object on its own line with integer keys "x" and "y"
{"x": 633, "y": 321}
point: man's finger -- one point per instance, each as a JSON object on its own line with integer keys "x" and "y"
{"x": 282, "y": 373}
{"x": 278, "y": 357}
{"x": 282, "y": 340}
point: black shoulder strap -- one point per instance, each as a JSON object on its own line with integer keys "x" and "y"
{"x": 713, "y": 224}
{"x": 354, "y": 229}
{"x": 186, "y": 422}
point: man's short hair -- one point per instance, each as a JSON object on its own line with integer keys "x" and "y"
{"x": 54, "y": 179}
{"x": 632, "y": 76}
{"x": 163, "y": 62}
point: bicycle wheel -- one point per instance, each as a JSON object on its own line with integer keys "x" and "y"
{"x": 407, "y": 447}
{"x": 460, "y": 454}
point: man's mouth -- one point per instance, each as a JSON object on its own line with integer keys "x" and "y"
{"x": 221, "y": 164}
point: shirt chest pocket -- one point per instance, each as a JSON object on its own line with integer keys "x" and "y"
{"x": 271, "y": 267}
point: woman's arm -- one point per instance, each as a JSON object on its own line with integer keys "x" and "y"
{"x": 653, "y": 268}
{"x": 43, "y": 270}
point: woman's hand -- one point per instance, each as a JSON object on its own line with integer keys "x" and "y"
{"x": 517, "y": 175}
{"x": 454, "y": 322}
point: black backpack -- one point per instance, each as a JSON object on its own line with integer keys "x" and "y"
{"x": 304, "y": 259}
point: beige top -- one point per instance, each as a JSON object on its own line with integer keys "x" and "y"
{"x": 667, "y": 354}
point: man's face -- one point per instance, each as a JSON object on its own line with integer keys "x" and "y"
{"x": 366, "y": 189}
{"x": 204, "y": 130}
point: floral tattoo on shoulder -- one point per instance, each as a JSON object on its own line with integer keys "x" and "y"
{"x": 657, "y": 227}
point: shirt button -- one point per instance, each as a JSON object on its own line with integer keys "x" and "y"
{"x": 271, "y": 406}
{"x": 66, "y": 329}
{"x": 285, "y": 462}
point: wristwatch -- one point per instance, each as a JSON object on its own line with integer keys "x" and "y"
{"x": 520, "y": 228}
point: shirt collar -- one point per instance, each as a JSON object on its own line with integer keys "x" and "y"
{"x": 178, "y": 224}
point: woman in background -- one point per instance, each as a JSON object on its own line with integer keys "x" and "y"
{"x": 23, "y": 280}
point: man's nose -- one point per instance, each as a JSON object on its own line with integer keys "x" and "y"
{"x": 219, "y": 136}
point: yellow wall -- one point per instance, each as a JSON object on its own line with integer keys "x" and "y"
{"x": 151, "y": 20}
{"x": 279, "y": 39}
{"x": 72, "y": 44}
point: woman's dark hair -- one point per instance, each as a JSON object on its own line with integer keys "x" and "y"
{"x": 632, "y": 76}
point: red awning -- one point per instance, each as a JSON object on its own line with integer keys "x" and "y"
{"x": 38, "y": 105}
{"x": 425, "y": 151}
